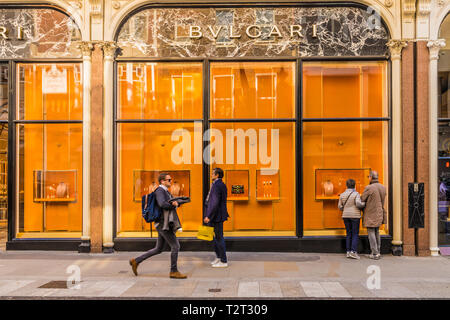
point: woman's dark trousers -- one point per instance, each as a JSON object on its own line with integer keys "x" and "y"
{"x": 352, "y": 227}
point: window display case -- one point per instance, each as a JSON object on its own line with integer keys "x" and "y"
{"x": 267, "y": 185}
{"x": 330, "y": 183}
{"x": 55, "y": 185}
{"x": 237, "y": 184}
{"x": 146, "y": 181}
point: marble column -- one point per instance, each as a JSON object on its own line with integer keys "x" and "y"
{"x": 408, "y": 143}
{"x": 422, "y": 141}
{"x": 395, "y": 47}
{"x": 109, "y": 50}
{"x": 434, "y": 46}
{"x": 86, "y": 49}
{"x": 96, "y": 154}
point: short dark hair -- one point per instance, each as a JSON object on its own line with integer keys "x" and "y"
{"x": 350, "y": 183}
{"x": 219, "y": 172}
{"x": 162, "y": 176}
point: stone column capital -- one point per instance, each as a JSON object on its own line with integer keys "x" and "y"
{"x": 435, "y": 46}
{"x": 109, "y": 49}
{"x": 86, "y": 48}
{"x": 396, "y": 47}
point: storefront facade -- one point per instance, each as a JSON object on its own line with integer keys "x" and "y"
{"x": 290, "y": 99}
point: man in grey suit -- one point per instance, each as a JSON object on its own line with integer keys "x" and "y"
{"x": 167, "y": 226}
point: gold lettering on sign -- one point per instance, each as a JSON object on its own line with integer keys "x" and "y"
{"x": 4, "y": 33}
{"x": 233, "y": 36}
{"x": 215, "y": 34}
{"x": 314, "y": 31}
{"x": 295, "y": 29}
{"x": 195, "y": 32}
{"x": 257, "y": 35}
{"x": 20, "y": 33}
{"x": 275, "y": 32}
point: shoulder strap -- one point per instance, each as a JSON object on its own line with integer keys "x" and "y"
{"x": 348, "y": 198}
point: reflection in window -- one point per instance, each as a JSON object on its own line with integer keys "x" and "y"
{"x": 49, "y": 155}
{"x": 338, "y": 90}
{"x": 160, "y": 90}
{"x": 144, "y": 150}
{"x": 50, "y": 92}
{"x": 252, "y": 90}
{"x": 50, "y": 168}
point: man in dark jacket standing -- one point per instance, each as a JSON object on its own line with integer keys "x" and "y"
{"x": 167, "y": 226}
{"x": 216, "y": 214}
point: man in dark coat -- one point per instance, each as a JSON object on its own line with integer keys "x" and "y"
{"x": 216, "y": 214}
{"x": 167, "y": 226}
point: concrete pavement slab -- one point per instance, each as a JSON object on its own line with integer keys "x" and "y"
{"x": 335, "y": 290}
{"x": 313, "y": 289}
{"x": 248, "y": 289}
{"x": 291, "y": 289}
{"x": 270, "y": 289}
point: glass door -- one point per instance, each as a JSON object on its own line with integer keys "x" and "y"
{"x": 3, "y": 155}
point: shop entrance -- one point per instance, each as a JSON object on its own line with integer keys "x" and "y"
{"x": 3, "y": 155}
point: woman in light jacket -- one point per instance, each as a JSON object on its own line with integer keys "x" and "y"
{"x": 350, "y": 204}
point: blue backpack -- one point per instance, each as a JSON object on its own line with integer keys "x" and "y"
{"x": 150, "y": 209}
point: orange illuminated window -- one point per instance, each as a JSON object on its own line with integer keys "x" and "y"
{"x": 337, "y": 150}
{"x": 49, "y": 155}
{"x": 160, "y": 90}
{"x": 252, "y": 90}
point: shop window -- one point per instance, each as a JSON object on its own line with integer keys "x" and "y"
{"x": 443, "y": 186}
{"x": 160, "y": 91}
{"x": 335, "y": 151}
{"x": 340, "y": 90}
{"x": 49, "y": 154}
{"x": 151, "y": 94}
{"x": 50, "y": 92}
{"x": 143, "y": 151}
{"x": 50, "y": 179}
{"x": 244, "y": 90}
{"x": 258, "y": 160}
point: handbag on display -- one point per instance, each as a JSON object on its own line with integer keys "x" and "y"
{"x": 205, "y": 233}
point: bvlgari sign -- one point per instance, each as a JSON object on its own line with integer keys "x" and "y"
{"x": 246, "y": 31}
{"x": 5, "y": 33}
{"x": 252, "y": 31}
{"x": 37, "y": 33}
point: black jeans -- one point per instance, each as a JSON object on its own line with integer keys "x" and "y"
{"x": 352, "y": 227}
{"x": 219, "y": 242}
{"x": 163, "y": 238}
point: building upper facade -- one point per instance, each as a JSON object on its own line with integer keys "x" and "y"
{"x": 100, "y": 20}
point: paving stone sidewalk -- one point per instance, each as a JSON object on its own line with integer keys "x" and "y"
{"x": 249, "y": 275}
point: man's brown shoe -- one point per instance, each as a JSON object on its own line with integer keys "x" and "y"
{"x": 177, "y": 275}
{"x": 134, "y": 266}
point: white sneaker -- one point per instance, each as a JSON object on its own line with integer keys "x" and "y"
{"x": 215, "y": 261}
{"x": 220, "y": 264}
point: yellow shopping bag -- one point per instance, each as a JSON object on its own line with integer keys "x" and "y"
{"x": 205, "y": 233}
